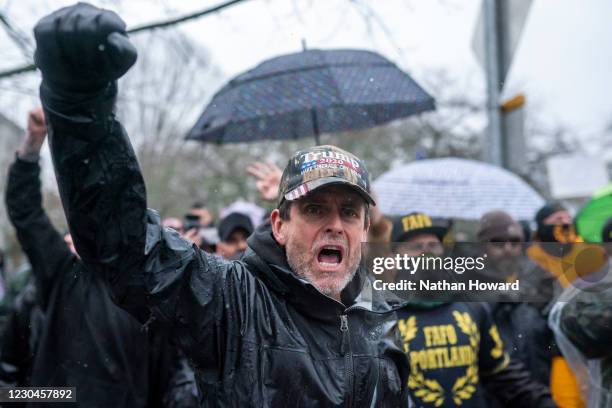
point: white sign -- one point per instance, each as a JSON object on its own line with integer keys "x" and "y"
{"x": 576, "y": 175}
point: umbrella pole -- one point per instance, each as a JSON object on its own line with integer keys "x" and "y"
{"x": 315, "y": 126}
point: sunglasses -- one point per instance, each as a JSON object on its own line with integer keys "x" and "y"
{"x": 514, "y": 241}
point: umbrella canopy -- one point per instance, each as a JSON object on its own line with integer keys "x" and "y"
{"x": 309, "y": 93}
{"x": 591, "y": 218}
{"x": 455, "y": 188}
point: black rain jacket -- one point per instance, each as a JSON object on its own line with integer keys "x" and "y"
{"x": 19, "y": 339}
{"x": 256, "y": 334}
{"x": 86, "y": 341}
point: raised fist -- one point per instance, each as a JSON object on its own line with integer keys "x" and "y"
{"x": 35, "y": 135}
{"x": 37, "y": 127}
{"x": 82, "y": 48}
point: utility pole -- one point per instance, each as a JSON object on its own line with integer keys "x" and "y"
{"x": 496, "y": 38}
{"x": 495, "y": 147}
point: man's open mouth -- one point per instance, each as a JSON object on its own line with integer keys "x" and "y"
{"x": 330, "y": 255}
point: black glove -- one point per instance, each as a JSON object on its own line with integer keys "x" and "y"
{"x": 82, "y": 48}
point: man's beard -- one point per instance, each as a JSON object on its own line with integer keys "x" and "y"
{"x": 505, "y": 267}
{"x": 298, "y": 260}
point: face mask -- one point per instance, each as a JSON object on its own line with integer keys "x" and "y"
{"x": 560, "y": 233}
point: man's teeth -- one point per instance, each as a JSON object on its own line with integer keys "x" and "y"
{"x": 330, "y": 255}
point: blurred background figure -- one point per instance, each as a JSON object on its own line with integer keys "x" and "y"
{"x": 419, "y": 234}
{"x": 233, "y": 232}
{"x": 501, "y": 239}
{"x": 190, "y": 228}
{"x": 582, "y": 323}
{"x": 174, "y": 223}
{"x": 481, "y": 369}
{"x": 198, "y": 226}
{"x": 557, "y": 246}
{"x": 199, "y": 212}
{"x": 553, "y": 245}
{"x": 2, "y": 275}
{"x": 606, "y": 237}
{"x": 522, "y": 327}
{"x": 20, "y": 338}
{"x": 255, "y": 213}
{"x": 84, "y": 340}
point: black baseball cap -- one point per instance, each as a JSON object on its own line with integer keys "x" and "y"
{"x": 407, "y": 226}
{"x": 231, "y": 223}
{"x": 318, "y": 166}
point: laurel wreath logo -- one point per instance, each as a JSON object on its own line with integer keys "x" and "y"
{"x": 465, "y": 386}
{"x": 430, "y": 390}
{"x": 498, "y": 349}
{"x": 427, "y": 390}
{"x": 408, "y": 329}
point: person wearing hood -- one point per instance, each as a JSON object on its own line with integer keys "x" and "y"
{"x": 291, "y": 323}
{"x": 83, "y": 339}
{"x": 457, "y": 356}
{"x": 557, "y": 245}
{"x": 554, "y": 255}
{"x": 582, "y": 323}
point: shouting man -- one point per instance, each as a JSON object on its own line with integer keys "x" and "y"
{"x": 290, "y": 322}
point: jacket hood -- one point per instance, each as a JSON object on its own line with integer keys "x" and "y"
{"x": 268, "y": 259}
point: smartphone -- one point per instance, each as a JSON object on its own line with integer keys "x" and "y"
{"x": 191, "y": 221}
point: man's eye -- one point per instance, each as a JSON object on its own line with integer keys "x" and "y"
{"x": 349, "y": 212}
{"x": 313, "y": 210}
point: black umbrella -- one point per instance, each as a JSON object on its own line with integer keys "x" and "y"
{"x": 309, "y": 93}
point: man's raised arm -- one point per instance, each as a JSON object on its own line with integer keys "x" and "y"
{"x": 82, "y": 51}
{"x": 43, "y": 245}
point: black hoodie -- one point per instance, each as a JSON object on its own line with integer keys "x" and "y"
{"x": 84, "y": 340}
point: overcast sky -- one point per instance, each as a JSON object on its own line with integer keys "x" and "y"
{"x": 563, "y": 62}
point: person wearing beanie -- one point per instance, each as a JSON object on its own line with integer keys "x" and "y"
{"x": 233, "y": 230}
{"x": 522, "y": 328}
{"x": 501, "y": 238}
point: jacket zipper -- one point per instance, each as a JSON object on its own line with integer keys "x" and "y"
{"x": 345, "y": 350}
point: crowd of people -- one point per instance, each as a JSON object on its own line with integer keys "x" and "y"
{"x": 270, "y": 308}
